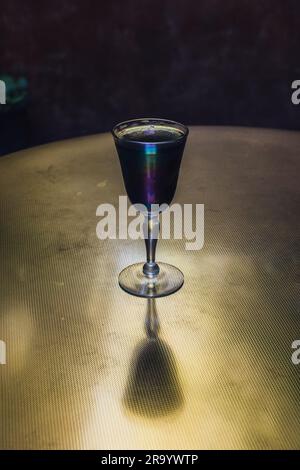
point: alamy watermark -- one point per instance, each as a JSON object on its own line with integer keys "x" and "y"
{"x": 2, "y": 92}
{"x": 2, "y": 352}
{"x": 296, "y": 94}
{"x": 296, "y": 353}
{"x": 188, "y": 222}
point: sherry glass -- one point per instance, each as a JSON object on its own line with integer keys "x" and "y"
{"x": 150, "y": 152}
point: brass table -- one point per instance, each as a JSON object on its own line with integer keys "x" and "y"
{"x": 80, "y": 371}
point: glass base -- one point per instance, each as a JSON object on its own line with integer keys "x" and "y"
{"x": 168, "y": 281}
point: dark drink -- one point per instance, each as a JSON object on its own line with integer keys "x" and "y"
{"x": 150, "y": 153}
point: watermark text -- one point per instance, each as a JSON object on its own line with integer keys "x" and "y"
{"x": 296, "y": 353}
{"x": 2, "y": 352}
{"x": 176, "y": 221}
{"x": 296, "y": 94}
{"x": 2, "y": 92}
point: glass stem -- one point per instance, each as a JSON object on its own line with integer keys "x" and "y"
{"x": 151, "y": 321}
{"x": 151, "y": 232}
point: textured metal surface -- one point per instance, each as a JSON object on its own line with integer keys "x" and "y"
{"x": 80, "y": 368}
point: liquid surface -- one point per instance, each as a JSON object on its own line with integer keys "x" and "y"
{"x": 150, "y": 170}
{"x": 150, "y": 133}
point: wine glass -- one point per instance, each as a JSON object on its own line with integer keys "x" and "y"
{"x": 150, "y": 152}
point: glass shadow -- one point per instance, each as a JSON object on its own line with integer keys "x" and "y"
{"x": 153, "y": 386}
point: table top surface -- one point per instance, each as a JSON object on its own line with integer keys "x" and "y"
{"x": 80, "y": 371}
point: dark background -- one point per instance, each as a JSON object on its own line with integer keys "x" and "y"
{"x": 90, "y": 64}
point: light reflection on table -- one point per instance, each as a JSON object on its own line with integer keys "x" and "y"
{"x": 86, "y": 368}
